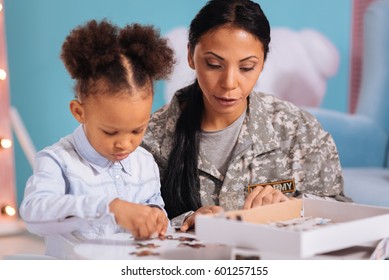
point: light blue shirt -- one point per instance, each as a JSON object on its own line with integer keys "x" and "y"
{"x": 72, "y": 186}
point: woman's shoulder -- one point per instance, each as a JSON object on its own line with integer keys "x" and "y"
{"x": 165, "y": 116}
{"x": 276, "y": 107}
{"x": 162, "y": 124}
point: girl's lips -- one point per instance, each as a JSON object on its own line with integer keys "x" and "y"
{"x": 225, "y": 101}
{"x": 119, "y": 157}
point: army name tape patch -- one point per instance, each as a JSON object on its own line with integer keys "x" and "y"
{"x": 285, "y": 186}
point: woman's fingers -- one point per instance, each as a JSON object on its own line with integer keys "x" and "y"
{"x": 263, "y": 196}
{"x": 190, "y": 221}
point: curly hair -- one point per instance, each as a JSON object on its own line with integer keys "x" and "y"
{"x": 104, "y": 58}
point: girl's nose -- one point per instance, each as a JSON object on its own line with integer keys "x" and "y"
{"x": 123, "y": 144}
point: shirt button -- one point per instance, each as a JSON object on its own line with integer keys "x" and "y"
{"x": 116, "y": 163}
{"x": 117, "y": 176}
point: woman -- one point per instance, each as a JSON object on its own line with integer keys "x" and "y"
{"x": 218, "y": 144}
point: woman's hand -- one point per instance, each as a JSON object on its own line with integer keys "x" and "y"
{"x": 190, "y": 220}
{"x": 142, "y": 221}
{"x": 262, "y": 196}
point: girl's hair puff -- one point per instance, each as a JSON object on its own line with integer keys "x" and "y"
{"x": 101, "y": 57}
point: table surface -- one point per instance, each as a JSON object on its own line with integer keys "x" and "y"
{"x": 121, "y": 246}
{"x": 21, "y": 245}
{"x": 174, "y": 245}
{"x": 177, "y": 246}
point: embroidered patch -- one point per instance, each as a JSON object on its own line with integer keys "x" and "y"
{"x": 285, "y": 186}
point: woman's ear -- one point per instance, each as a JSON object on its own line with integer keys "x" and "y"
{"x": 190, "y": 58}
{"x": 77, "y": 111}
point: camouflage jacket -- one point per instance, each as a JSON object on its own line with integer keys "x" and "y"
{"x": 277, "y": 142}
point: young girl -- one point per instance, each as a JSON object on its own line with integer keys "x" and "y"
{"x": 98, "y": 181}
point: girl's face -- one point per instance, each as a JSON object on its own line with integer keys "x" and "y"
{"x": 227, "y": 62}
{"x": 114, "y": 125}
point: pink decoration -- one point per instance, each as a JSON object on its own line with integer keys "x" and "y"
{"x": 7, "y": 179}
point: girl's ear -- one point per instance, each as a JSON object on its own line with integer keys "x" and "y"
{"x": 190, "y": 58}
{"x": 77, "y": 111}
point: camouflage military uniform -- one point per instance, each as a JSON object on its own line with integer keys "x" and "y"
{"x": 278, "y": 141}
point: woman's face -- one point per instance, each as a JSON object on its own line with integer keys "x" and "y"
{"x": 227, "y": 62}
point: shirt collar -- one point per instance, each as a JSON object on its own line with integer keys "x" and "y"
{"x": 259, "y": 124}
{"x": 257, "y": 131}
{"x": 96, "y": 160}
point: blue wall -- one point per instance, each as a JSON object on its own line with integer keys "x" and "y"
{"x": 41, "y": 88}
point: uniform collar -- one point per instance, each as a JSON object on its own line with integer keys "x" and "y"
{"x": 257, "y": 134}
{"x": 258, "y": 125}
{"x": 88, "y": 153}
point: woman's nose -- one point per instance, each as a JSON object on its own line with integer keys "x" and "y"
{"x": 229, "y": 79}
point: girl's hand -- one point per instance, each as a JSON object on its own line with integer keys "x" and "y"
{"x": 141, "y": 220}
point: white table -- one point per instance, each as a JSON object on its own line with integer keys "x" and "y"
{"x": 22, "y": 245}
{"x": 124, "y": 247}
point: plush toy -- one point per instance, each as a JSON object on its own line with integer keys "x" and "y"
{"x": 297, "y": 67}
{"x": 182, "y": 74}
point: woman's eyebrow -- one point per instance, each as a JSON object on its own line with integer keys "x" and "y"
{"x": 214, "y": 54}
{"x": 221, "y": 58}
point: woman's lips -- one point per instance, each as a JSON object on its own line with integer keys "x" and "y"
{"x": 226, "y": 102}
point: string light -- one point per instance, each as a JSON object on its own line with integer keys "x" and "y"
{"x": 5, "y": 143}
{"x": 8, "y": 210}
{"x": 5, "y": 209}
{"x": 3, "y": 74}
